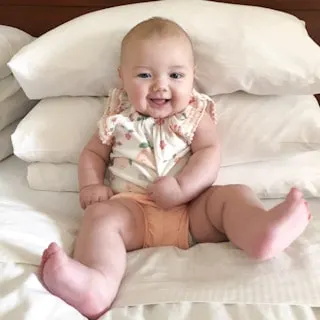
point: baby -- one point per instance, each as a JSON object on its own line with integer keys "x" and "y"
{"x": 158, "y": 140}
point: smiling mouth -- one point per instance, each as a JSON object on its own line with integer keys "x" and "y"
{"x": 159, "y": 102}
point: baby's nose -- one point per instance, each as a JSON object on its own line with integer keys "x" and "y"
{"x": 160, "y": 85}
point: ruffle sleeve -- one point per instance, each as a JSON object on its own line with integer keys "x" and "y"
{"x": 185, "y": 124}
{"x": 116, "y": 103}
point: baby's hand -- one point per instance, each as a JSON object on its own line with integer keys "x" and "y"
{"x": 94, "y": 193}
{"x": 166, "y": 192}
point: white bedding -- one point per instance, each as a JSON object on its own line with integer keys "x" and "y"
{"x": 201, "y": 283}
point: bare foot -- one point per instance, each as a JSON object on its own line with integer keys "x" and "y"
{"x": 83, "y": 288}
{"x": 282, "y": 225}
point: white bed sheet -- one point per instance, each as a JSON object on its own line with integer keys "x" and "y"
{"x": 30, "y": 220}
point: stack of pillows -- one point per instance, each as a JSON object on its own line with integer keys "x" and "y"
{"x": 14, "y": 104}
{"x": 259, "y": 65}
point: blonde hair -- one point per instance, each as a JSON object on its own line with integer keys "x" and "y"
{"x": 156, "y": 26}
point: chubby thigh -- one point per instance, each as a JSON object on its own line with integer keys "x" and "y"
{"x": 205, "y": 215}
{"x": 130, "y": 221}
{"x": 102, "y": 219}
{"x": 139, "y": 222}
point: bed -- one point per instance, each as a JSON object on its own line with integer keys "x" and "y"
{"x": 31, "y": 219}
{"x": 163, "y": 283}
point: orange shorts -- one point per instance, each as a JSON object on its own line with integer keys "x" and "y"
{"x": 162, "y": 227}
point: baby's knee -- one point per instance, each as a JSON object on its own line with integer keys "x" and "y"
{"x": 238, "y": 188}
{"x": 96, "y": 208}
{"x": 99, "y": 211}
{"x": 232, "y": 190}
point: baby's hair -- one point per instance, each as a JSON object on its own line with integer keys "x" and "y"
{"x": 155, "y": 26}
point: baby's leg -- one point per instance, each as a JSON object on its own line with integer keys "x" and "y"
{"x": 233, "y": 212}
{"x": 90, "y": 281}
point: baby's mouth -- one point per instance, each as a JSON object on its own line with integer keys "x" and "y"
{"x": 159, "y": 102}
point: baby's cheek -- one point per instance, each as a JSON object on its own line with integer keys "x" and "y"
{"x": 183, "y": 96}
{"x": 138, "y": 99}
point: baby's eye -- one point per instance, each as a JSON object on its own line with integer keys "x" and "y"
{"x": 176, "y": 75}
{"x": 144, "y": 75}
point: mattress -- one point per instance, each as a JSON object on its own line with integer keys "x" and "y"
{"x": 209, "y": 281}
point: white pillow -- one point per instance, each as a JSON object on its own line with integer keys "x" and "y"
{"x": 57, "y": 129}
{"x": 5, "y": 140}
{"x": 275, "y": 178}
{"x": 8, "y": 87}
{"x": 53, "y": 177}
{"x": 14, "y": 108}
{"x": 270, "y": 179}
{"x": 11, "y": 41}
{"x": 251, "y": 128}
{"x": 257, "y": 128}
{"x": 238, "y": 47}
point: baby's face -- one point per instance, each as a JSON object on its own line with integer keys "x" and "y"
{"x": 158, "y": 75}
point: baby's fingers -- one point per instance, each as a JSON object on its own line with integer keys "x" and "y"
{"x": 110, "y": 193}
{"x": 105, "y": 197}
{"x": 83, "y": 204}
{"x": 83, "y": 201}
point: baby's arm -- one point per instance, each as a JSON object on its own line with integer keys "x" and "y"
{"x": 203, "y": 166}
{"x": 199, "y": 173}
{"x": 91, "y": 172}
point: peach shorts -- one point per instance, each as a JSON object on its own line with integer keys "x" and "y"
{"x": 162, "y": 227}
